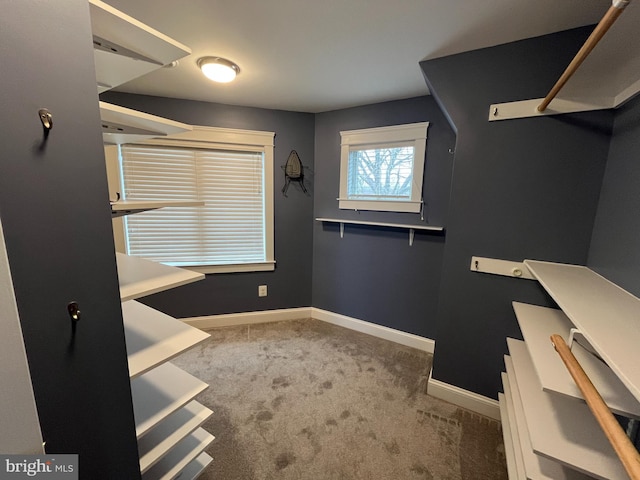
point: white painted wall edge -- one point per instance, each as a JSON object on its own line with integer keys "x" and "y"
{"x": 464, "y": 398}
{"x": 449, "y": 393}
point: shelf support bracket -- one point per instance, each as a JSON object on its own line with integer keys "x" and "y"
{"x": 412, "y": 233}
{"x": 341, "y": 230}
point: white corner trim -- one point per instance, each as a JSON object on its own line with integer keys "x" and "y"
{"x": 464, "y": 398}
{"x": 403, "y": 338}
{"x": 248, "y": 318}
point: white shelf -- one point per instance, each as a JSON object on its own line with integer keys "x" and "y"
{"x": 159, "y": 393}
{"x": 561, "y": 428}
{"x": 196, "y": 467}
{"x": 153, "y": 337}
{"x": 406, "y": 226}
{"x": 164, "y": 436}
{"x": 141, "y": 48}
{"x": 124, "y": 125}
{"x": 537, "y": 325}
{"x": 129, "y": 207}
{"x": 607, "y": 315}
{"x": 515, "y": 470}
{"x": 536, "y": 467}
{"x": 434, "y": 228}
{"x": 179, "y": 457}
{"x": 139, "y": 277}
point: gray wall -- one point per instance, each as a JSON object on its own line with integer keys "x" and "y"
{"x": 289, "y": 285}
{"x": 524, "y": 188}
{"x": 615, "y": 247}
{"x": 372, "y": 273}
{"x": 57, "y": 226}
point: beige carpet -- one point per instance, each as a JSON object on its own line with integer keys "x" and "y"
{"x": 307, "y": 400}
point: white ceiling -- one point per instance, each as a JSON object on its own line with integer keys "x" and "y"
{"x": 315, "y": 56}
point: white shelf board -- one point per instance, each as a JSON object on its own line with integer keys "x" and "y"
{"x": 170, "y": 466}
{"x": 434, "y": 228}
{"x": 159, "y": 393}
{"x": 537, "y": 325}
{"x": 196, "y": 467}
{"x": 606, "y": 315}
{"x": 536, "y": 467}
{"x": 139, "y": 277}
{"x": 129, "y": 207}
{"x": 561, "y": 428}
{"x": 153, "y": 337}
{"x": 121, "y": 30}
{"x": 164, "y": 436}
{"x": 124, "y": 125}
{"x": 406, "y": 226}
{"x": 515, "y": 468}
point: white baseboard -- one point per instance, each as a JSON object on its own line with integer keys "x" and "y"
{"x": 464, "y": 398}
{"x": 403, "y": 338}
{"x": 248, "y": 318}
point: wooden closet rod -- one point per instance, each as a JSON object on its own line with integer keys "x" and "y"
{"x": 612, "y": 429}
{"x": 609, "y": 18}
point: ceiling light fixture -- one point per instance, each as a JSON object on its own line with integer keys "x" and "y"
{"x": 218, "y": 69}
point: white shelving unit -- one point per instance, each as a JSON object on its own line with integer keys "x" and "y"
{"x": 560, "y": 432}
{"x": 161, "y": 439}
{"x": 125, "y": 48}
{"x": 124, "y": 125}
{"x": 130, "y": 207}
{"x": 168, "y": 419}
{"x": 607, "y": 315}
{"x": 153, "y": 338}
{"x": 537, "y": 325}
{"x": 140, "y": 277}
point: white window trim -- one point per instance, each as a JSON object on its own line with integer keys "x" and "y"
{"x": 226, "y": 139}
{"x": 412, "y": 132}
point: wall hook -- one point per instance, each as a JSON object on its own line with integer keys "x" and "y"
{"x": 46, "y": 118}
{"x": 74, "y": 311}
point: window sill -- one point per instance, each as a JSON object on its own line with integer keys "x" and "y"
{"x": 380, "y": 205}
{"x": 235, "y": 268}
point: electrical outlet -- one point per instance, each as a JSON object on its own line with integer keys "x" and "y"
{"x": 262, "y": 290}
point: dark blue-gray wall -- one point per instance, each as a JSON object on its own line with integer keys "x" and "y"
{"x": 615, "y": 247}
{"x": 525, "y": 188}
{"x": 289, "y": 285}
{"x": 372, "y": 273}
{"x": 57, "y": 227}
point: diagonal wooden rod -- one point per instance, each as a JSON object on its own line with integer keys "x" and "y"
{"x": 623, "y": 447}
{"x": 609, "y": 18}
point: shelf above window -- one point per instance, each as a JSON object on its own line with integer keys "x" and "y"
{"x": 411, "y": 228}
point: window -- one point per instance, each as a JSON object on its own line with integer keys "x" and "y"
{"x": 231, "y": 171}
{"x": 382, "y": 168}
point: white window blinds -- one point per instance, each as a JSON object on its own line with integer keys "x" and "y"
{"x": 228, "y": 230}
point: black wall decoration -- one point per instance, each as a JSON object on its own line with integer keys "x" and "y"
{"x": 293, "y": 171}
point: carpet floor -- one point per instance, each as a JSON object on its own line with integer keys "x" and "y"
{"x": 307, "y": 400}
